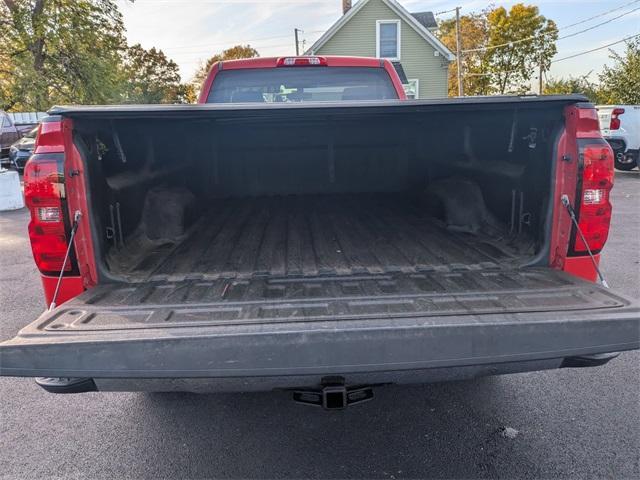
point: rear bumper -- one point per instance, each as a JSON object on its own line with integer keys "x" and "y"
{"x": 297, "y": 382}
{"x": 346, "y": 348}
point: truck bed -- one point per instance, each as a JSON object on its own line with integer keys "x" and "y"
{"x": 284, "y": 246}
{"x": 309, "y": 235}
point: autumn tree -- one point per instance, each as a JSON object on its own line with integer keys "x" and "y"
{"x": 501, "y": 49}
{"x": 474, "y": 34}
{"x": 59, "y": 51}
{"x": 148, "y": 76}
{"x": 519, "y": 41}
{"x": 620, "y": 83}
{"x": 233, "y": 53}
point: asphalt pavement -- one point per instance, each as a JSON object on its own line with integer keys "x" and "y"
{"x": 570, "y": 423}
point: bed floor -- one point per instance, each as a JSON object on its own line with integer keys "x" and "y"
{"x": 310, "y": 236}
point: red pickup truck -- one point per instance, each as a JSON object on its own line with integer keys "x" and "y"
{"x": 306, "y": 241}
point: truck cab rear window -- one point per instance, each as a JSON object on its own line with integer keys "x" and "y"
{"x": 301, "y": 84}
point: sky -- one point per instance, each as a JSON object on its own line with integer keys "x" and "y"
{"x": 190, "y": 31}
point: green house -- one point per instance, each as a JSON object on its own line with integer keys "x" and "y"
{"x": 385, "y": 29}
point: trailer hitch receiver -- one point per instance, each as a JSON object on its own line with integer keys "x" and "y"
{"x": 334, "y": 397}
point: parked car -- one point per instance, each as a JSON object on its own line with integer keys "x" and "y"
{"x": 8, "y": 135}
{"x": 14, "y": 126}
{"x": 620, "y": 125}
{"x": 21, "y": 150}
{"x": 324, "y": 247}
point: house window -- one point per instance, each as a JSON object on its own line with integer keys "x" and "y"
{"x": 388, "y": 39}
{"x": 412, "y": 89}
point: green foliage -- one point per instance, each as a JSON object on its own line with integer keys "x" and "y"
{"x": 74, "y": 51}
{"x": 148, "y": 76}
{"x": 234, "y": 53}
{"x": 620, "y": 83}
{"x": 59, "y": 51}
{"x": 573, "y": 85}
{"x": 510, "y": 45}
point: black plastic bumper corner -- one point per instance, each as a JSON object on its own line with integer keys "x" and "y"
{"x": 589, "y": 360}
{"x": 67, "y": 385}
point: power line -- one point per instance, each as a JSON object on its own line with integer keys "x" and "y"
{"x": 596, "y": 49}
{"x": 492, "y": 47}
{"x": 202, "y": 57}
{"x": 467, "y": 6}
{"x": 564, "y": 58}
{"x": 208, "y": 53}
{"x": 602, "y": 14}
{"x": 437, "y": 14}
{"x": 238, "y": 42}
{"x": 488, "y": 74}
{"x": 599, "y": 24}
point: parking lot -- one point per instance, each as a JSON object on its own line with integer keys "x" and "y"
{"x": 565, "y": 423}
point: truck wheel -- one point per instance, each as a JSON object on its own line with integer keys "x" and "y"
{"x": 625, "y": 162}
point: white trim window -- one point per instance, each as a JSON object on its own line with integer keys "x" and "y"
{"x": 412, "y": 88}
{"x": 388, "y": 39}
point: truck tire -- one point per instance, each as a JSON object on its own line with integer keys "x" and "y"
{"x": 625, "y": 162}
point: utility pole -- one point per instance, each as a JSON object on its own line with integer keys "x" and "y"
{"x": 541, "y": 73}
{"x": 459, "y": 54}
{"x": 295, "y": 32}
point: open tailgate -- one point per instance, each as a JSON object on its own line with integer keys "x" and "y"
{"x": 322, "y": 325}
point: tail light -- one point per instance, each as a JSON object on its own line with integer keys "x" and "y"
{"x": 614, "y": 124}
{"x": 45, "y": 198}
{"x": 301, "y": 62}
{"x": 594, "y": 210}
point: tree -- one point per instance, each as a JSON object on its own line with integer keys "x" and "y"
{"x": 148, "y": 76}
{"x": 474, "y": 33}
{"x": 573, "y": 85}
{"x": 233, "y": 53}
{"x": 503, "y": 48}
{"x": 511, "y": 66}
{"x": 59, "y": 51}
{"x": 621, "y": 82}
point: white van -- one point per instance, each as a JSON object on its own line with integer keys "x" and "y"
{"x": 620, "y": 125}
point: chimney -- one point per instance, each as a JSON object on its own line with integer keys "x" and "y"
{"x": 346, "y": 6}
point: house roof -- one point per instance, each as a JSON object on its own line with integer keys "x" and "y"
{"x": 399, "y": 10}
{"x": 426, "y": 19}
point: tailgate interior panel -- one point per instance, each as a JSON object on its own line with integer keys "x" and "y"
{"x": 303, "y": 299}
